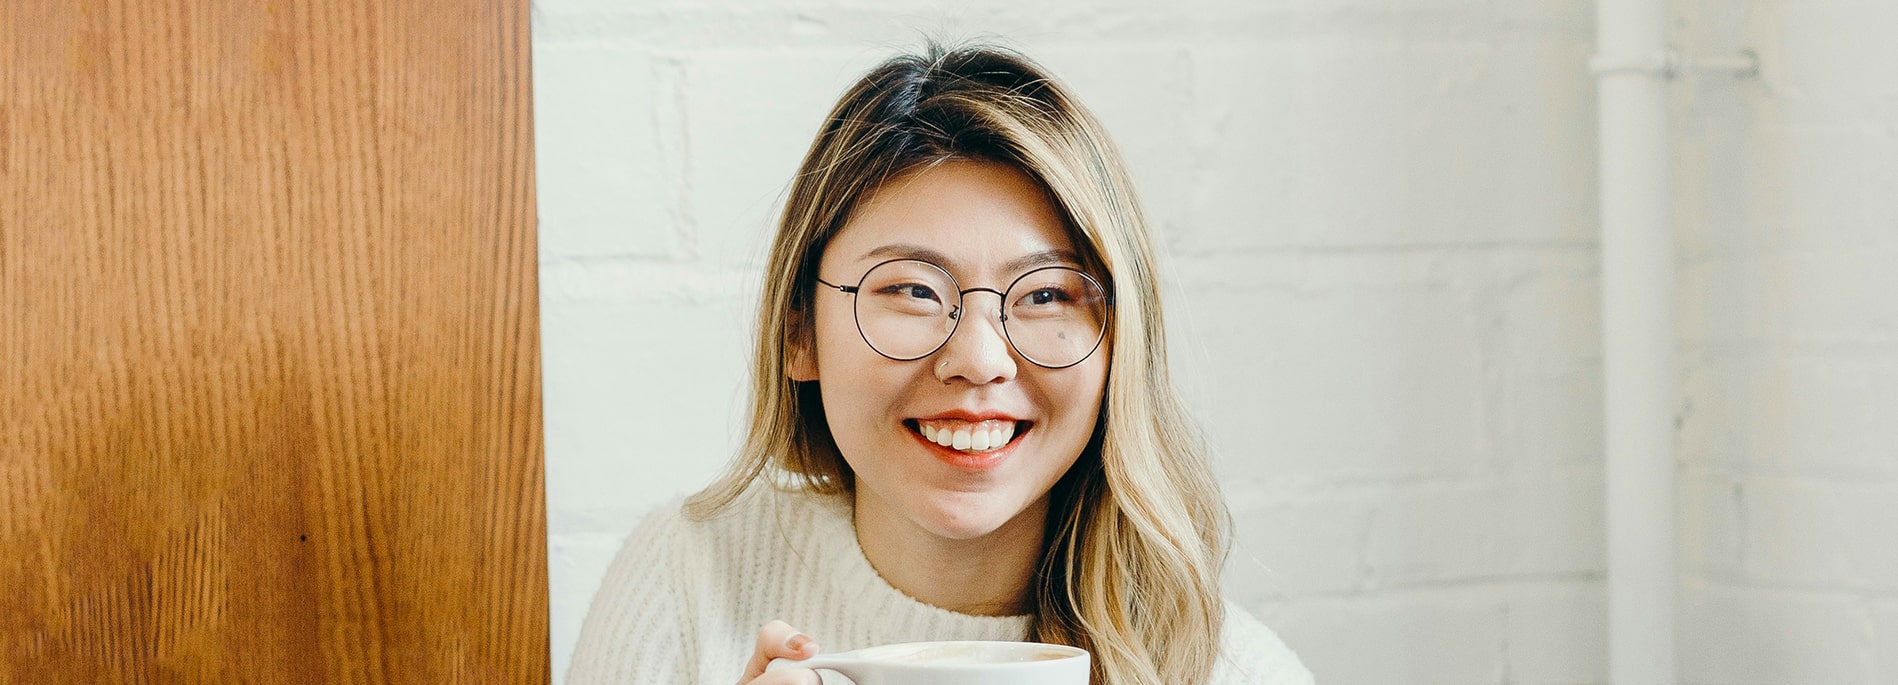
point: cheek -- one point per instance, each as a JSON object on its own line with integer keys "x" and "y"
{"x": 840, "y": 348}
{"x": 1088, "y": 413}
{"x": 1092, "y": 384}
{"x": 827, "y": 320}
{"x": 1076, "y": 396}
{"x": 859, "y": 386}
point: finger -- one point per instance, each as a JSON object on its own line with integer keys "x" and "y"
{"x": 789, "y": 676}
{"x": 778, "y": 639}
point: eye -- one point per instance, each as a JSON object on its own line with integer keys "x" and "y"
{"x": 1046, "y": 296}
{"x": 908, "y": 291}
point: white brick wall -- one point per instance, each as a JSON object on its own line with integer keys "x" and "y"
{"x": 1379, "y": 224}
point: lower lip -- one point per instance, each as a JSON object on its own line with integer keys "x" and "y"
{"x": 986, "y": 461}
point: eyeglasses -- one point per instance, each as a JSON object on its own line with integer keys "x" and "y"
{"x": 907, "y": 309}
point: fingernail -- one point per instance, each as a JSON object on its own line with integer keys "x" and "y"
{"x": 797, "y": 643}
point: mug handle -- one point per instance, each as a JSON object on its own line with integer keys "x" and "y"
{"x": 842, "y": 664}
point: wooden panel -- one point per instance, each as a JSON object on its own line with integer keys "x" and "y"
{"x": 269, "y": 349}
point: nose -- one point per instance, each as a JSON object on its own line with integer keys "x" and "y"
{"x": 978, "y": 350}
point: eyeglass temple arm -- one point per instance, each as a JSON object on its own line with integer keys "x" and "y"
{"x": 840, "y": 288}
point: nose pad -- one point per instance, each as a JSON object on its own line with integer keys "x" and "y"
{"x": 956, "y": 315}
{"x": 1001, "y": 317}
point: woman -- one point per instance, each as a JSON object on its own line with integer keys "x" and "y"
{"x": 962, "y": 425}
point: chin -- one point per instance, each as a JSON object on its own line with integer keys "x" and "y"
{"x": 964, "y": 515}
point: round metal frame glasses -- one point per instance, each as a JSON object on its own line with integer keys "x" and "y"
{"x": 955, "y": 312}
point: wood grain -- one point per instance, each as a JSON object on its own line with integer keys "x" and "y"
{"x": 269, "y": 349}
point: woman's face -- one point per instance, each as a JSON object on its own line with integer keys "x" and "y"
{"x": 986, "y": 224}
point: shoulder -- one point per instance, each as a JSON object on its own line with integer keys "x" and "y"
{"x": 653, "y": 546}
{"x": 649, "y": 618}
{"x": 670, "y": 544}
{"x": 1252, "y": 654}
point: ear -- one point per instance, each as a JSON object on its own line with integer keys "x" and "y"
{"x": 800, "y": 362}
{"x": 802, "y": 365}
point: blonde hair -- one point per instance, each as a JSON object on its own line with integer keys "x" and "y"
{"x": 1137, "y": 530}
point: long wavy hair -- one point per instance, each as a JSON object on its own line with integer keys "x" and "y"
{"x": 1137, "y": 531}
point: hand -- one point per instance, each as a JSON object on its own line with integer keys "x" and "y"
{"x": 778, "y": 639}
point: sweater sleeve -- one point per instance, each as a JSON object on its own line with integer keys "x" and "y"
{"x": 635, "y": 631}
{"x": 1251, "y": 654}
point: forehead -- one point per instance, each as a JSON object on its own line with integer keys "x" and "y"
{"x": 973, "y": 216}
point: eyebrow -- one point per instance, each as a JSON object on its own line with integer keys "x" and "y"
{"x": 1049, "y": 257}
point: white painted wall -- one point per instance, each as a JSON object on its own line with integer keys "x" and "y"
{"x": 1787, "y": 210}
{"x": 1379, "y": 221}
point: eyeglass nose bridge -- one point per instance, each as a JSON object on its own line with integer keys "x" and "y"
{"x": 956, "y": 314}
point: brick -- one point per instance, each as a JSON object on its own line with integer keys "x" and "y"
{"x": 1710, "y": 173}
{"x": 637, "y": 281}
{"x": 1547, "y": 421}
{"x": 605, "y": 185}
{"x": 1819, "y": 299}
{"x": 1811, "y": 52}
{"x": 1802, "y": 158}
{"x": 1885, "y": 641}
{"x": 1822, "y": 297}
{"x": 1299, "y": 547}
{"x": 1813, "y": 183}
{"x": 1715, "y": 400}
{"x": 1539, "y": 313}
{"x": 1832, "y": 296}
{"x": 1877, "y": 179}
{"x": 1719, "y": 303}
{"x": 1825, "y": 534}
{"x": 1558, "y": 633}
{"x": 1711, "y": 528}
{"x": 749, "y": 116}
{"x": 1791, "y": 413}
{"x": 1547, "y": 309}
{"x": 1418, "y": 637}
{"x": 1548, "y": 525}
{"x": 1752, "y": 636}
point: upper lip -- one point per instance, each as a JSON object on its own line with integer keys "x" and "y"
{"x": 969, "y": 415}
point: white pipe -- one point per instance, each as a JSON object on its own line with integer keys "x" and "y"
{"x": 1632, "y": 66}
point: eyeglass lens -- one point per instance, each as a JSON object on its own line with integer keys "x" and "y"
{"x": 1054, "y": 316}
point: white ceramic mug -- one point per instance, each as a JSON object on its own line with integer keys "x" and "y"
{"x": 954, "y": 663}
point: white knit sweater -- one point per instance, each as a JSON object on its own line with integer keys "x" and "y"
{"x": 683, "y": 600}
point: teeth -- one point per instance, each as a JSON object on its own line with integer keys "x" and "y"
{"x": 967, "y": 437}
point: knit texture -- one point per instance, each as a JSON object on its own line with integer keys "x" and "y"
{"x": 683, "y": 600}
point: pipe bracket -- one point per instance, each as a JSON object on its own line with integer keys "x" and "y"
{"x": 1668, "y": 64}
{"x": 1651, "y": 64}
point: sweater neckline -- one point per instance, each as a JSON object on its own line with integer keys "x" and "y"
{"x": 831, "y": 538}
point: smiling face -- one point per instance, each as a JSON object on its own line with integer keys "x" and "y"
{"x": 1012, "y": 428}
